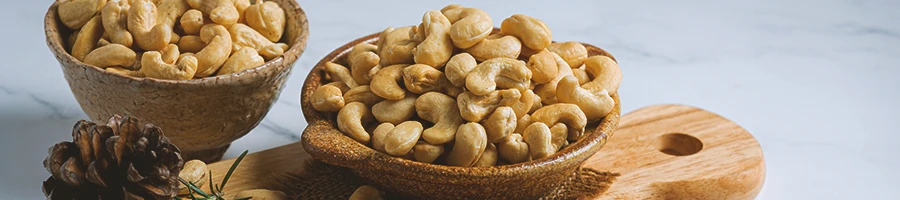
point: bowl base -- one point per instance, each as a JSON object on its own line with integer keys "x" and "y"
{"x": 206, "y": 155}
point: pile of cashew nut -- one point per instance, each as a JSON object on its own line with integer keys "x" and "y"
{"x": 504, "y": 98}
{"x": 173, "y": 39}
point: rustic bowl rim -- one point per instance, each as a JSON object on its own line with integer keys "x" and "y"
{"x": 598, "y": 136}
{"x": 51, "y": 32}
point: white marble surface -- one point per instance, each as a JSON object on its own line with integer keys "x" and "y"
{"x": 815, "y": 81}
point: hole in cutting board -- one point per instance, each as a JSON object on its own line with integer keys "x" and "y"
{"x": 679, "y": 144}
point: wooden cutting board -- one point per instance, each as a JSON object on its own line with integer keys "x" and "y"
{"x": 662, "y": 152}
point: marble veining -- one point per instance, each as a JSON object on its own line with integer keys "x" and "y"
{"x": 815, "y": 81}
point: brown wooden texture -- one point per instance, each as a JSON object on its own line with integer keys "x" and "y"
{"x": 652, "y": 148}
{"x": 713, "y": 158}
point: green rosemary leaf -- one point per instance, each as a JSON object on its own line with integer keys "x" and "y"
{"x": 191, "y": 192}
{"x": 211, "y": 188}
{"x": 233, "y": 167}
{"x": 193, "y": 188}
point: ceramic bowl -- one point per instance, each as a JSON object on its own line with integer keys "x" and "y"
{"x": 528, "y": 180}
{"x": 201, "y": 116}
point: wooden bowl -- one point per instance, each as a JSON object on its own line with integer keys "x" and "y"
{"x": 201, "y": 116}
{"x": 528, "y": 180}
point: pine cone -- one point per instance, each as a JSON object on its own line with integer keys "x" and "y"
{"x": 118, "y": 160}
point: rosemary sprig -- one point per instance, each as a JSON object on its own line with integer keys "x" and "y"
{"x": 217, "y": 190}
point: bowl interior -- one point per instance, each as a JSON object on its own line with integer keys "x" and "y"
{"x": 346, "y": 150}
{"x": 295, "y": 35}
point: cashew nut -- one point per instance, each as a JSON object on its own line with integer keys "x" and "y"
{"x": 76, "y": 13}
{"x": 537, "y": 104}
{"x": 103, "y": 42}
{"x": 514, "y": 149}
{"x": 221, "y": 12}
{"x": 87, "y": 38}
{"x": 126, "y": 72}
{"x": 170, "y": 11}
{"x": 244, "y": 36}
{"x": 378, "y": 135}
{"x": 569, "y": 114}
{"x": 581, "y": 75}
{"x": 344, "y": 88}
{"x": 573, "y": 53}
{"x": 148, "y": 34}
{"x": 114, "y": 17}
{"x": 459, "y": 67}
{"x": 350, "y": 120}
{"x": 547, "y": 91}
{"x": 362, "y": 59}
{"x": 420, "y": 78}
{"x": 425, "y": 152}
{"x": 521, "y": 123}
{"x": 452, "y": 12}
{"x": 436, "y": 48}
{"x": 194, "y": 171}
{"x": 366, "y": 192}
{"x": 218, "y": 47}
{"x": 191, "y": 43}
{"x": 606, "y": 72}
{"x": 110, "y": 55}
{"x": 488, "y": 157}
{"x": 524, "y": 104}
{"x": 362, "y": 94}
{"x": 386, "y": 82}
{"x": 175, "y": 38}
{"x": 267, "y": 18}
{"x": 241, "y": 6}
{"x": 441, "y": 110}
{"x": 395, "y": 111}
{"x": 594, "y": 104}
{"x": 395, "y": 46}
{"x": 543, "y": 67}
{"x": 539, "y": 140}
{"x": 402, "y": 138}
{"x": 498, "y": 72}
{"x": 272, "y": 51}
{"x": 496, "y": 46}
{"x": 327, "y": 98}
{"x": 153, "y": 66}
{"x": 500, "y": 124}
{"x": 471, "y": 141}
{"x": 340, "y": 73}
{"x": 474, "y": 107}
{"x": 246, "y": 58}
{"x": 191, "y": 22}
{"x": 533, "y": 32}
{"x": 558, "y": 135}
{"x": 70, "y": 41}
{"x": 469, "y": 25}
{"x": 170, "y": 53}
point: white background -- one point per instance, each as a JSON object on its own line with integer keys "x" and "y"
{"x": 814, "y": 81}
